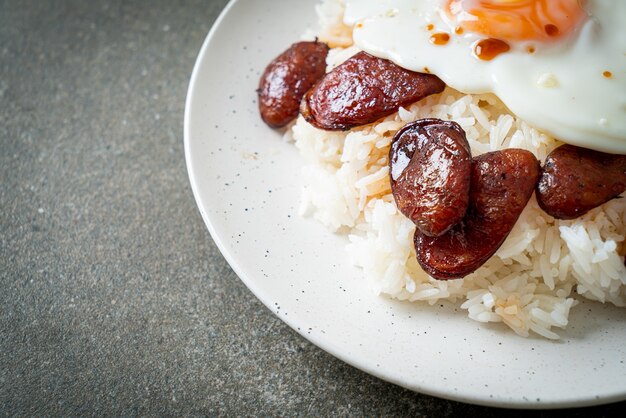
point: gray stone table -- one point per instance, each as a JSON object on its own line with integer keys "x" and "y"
{"x": 114, "y": 300}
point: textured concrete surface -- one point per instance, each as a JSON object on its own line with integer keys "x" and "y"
{"x": 113, "y": 298}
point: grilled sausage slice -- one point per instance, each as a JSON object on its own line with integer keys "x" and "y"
{"x": 362, "y": 90}
{"x": 502, "y": 182}
{"x": 430, "y": 164}
{"x": 575, "y": 180}
{"x": 287, "y": 78}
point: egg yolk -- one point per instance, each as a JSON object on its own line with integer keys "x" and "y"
{"x": 518, "y": 20}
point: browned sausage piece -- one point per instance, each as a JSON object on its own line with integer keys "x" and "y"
{"x": 575, "y": 180}
{"x": 501, "y": 184}
{"x": 362, "y": 90}
{"x": 430, "y": 164}
{"x": 287, "y": 78}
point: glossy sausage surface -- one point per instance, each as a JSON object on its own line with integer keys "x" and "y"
{"x": 502, "y": 182}
{"x": 430, "y": 164}
{"x": 287, "y": 78}
{"x": 575, "y": 180}
{"x": 362, "y": 90}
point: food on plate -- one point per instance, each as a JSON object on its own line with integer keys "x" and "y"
{"x": 564, "y": 71}
{"x": 362, "y": 90}
{"x": 575, "y": 180}
{"x": 502, "y": 182}
{"x": 287, "y": 78}
{"x": 522, "y": 77}
{"x": 430, "y": 162}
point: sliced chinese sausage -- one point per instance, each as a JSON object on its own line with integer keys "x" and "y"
{"x": 430, "y": 163}
{"x": 362, "y": 90}
{"x": 287, "y": 78}
{"x": 502, "y": 182}
{"x": 575, "y": 180}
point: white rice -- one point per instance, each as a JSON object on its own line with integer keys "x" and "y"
{"x": 528, "y": 284}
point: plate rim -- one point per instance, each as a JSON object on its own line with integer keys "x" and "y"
{"x": 292, "y": 322}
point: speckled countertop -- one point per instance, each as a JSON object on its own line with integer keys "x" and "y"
{"x": 114, "y": 300}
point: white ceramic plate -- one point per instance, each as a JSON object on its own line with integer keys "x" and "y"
{"x": 246, "y": 183}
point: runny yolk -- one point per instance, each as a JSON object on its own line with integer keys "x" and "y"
{"x": 518, "y": 20}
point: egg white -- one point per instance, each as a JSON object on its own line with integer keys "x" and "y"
{"x": 560, "y": 88}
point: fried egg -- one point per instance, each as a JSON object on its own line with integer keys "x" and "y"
{"x": 558, "y": 64}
